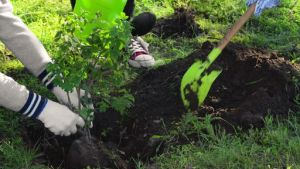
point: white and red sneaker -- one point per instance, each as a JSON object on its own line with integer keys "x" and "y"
{"x": 140, "y": 55}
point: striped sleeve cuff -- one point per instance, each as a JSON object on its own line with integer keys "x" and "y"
{"x": 34, "y": 105}
{"x": 47, "y": 79}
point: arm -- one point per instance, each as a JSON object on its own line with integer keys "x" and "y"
{"x": 261, "y": 5}
{"x": 129, "y": 8}
{"x": 13, "y": 96}
{"x": 57, "y": 118}
{"x": 15, "y": 35}
{"x": 28, "y": 49}
{"x": 73, "y": 2}
{"x": 21, "y": 41}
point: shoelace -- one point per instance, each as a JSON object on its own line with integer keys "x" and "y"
{"x": 136, "y": 46}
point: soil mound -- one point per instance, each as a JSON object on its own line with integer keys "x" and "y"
{"x": 253, "y": 84}
{"x": 181, "y": 23}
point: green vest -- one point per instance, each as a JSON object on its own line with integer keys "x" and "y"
{"x": 109, "y": 10}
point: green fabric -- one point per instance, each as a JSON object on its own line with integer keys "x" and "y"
{"x": 197, "y": 81}
{"x": 109, "y": 10}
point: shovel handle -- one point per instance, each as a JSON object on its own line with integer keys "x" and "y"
{"x": 236, "y": 27}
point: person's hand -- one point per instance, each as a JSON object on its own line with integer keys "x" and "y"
{"x": 62, "y": 97}
{"x": 59, "y": 119}
{"x": 261, "y": 5}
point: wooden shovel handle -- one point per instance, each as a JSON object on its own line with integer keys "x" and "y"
{"x": 236, "y": 27}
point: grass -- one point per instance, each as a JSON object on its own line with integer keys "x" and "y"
{"x": 277, "y": 29}
{"x": 13, "y": 151}
{"x": 275, "y": 146}
{"x": 42, "y": 18}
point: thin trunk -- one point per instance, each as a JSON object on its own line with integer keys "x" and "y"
{"x": 78, "y": 96}
{"x": 69, "y": 101}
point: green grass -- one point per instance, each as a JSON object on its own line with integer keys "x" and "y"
{"x": 277, "y": 29}
{"x": 42, "y": 17}
{"x": 13, "y": 151}
{"x": 275, "y": 146}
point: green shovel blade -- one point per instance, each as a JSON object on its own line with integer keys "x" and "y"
{"x": 197, "y": 81}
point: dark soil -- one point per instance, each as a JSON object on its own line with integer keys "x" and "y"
{"x": 91, "y": 152}
{"x": 180, "y": 24}
{"x": 253, "y": 84}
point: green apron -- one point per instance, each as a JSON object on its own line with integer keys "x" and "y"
{"x": 108, "y": 9}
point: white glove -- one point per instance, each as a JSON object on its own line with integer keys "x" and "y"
{"x": 59, "y": 119}
{"x": 60, "y": 94}
{"x": 62, "y": 97}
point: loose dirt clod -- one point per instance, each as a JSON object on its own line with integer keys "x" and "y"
{"x": 181, "y": 23}
{"x": 86, "y": 152}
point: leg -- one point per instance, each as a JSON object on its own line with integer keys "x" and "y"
{"x": 129, "y": 8}
{"x": 143, "y": 23}
{"x": 73, "y": 3}
{"x": 57, "y": 118}
{"x": 21, "y": 41}
{"x": 13, "y": 95}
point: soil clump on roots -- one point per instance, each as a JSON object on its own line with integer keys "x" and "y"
{"x": 254, "y": 83}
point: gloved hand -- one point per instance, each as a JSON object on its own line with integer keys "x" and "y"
{"x": 261, "y": 5}
{"x": 56, "y": 117}
{"x": 59, "y": 119}
{"x": 62, "y": 96}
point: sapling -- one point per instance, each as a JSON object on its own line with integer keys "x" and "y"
{"x": 95, "y": 63}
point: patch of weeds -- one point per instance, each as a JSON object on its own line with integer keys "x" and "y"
{"x": 159, "y": 8}
{"x": 192, "y": 127}
{"x": 42, "y": 17}
{"x": 294, "y": 57}
{"x": 9, "y": 123}
{"x": 10, "y": 66}
{"x": 276, "y": 145}
{"x": 13, "y": 154}
{"x": 167, "y": 50}
{"x": 277, "y": 29}
{"x": 296, "y": 81}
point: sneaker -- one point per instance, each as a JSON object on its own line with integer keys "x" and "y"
{"x": 140, "y": 55}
